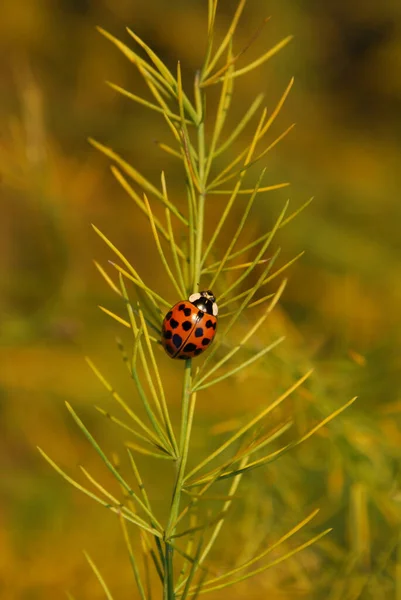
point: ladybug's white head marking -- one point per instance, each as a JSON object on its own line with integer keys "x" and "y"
{"x": 205, "y": 301}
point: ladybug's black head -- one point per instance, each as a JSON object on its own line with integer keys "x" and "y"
{"x": 205, "y": 301}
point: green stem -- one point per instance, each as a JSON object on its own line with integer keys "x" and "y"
{"x": 187, "y": 410}
{"x": 188, "y": 397}
{"x": 168, "y": 587}
{"x": 199, "y": 241}
{"x": 200, "y": 104}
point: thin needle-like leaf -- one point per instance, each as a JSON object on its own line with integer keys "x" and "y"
{"x": 193, "y": 569}
{"x": 123, "y": 425}
{"x": 265, "y": 235}
{"x": 241, "y": 366}
{"x": 231, "y": 62}
{"x": 178, "y": 268}
{"x": 237, "y": 267}
{"x": 227, "y": 39}
{"x": 101, "y": 489}
{"x": 216, "y": 531}
{"x": 166, "y": 74}
{"x": 275, "y": 274}
{"x": 268, "y": 188}
{"x": 149, "y": 72}
{"x": 221, "y": 114}
{"x": 139, "y": 351}
{"x": 259, "y": 61}
{"x": 145, "y": 497}
{"x": 146, "y": 452}
{"x": 169, "y": 150}
{"x": 188, "y": 549}
{"x": 265, "y": 460}
{"x": 277, "y": 561}
{"x": 258, "y": 257}
{"x": 160, "y": 388}
{"x": 173, "y": 279}
{"x": 260, "y": 134}
{"x": 144, "y": 102}
{"x": 248, "y": 426}
{"x": 240, "y": 227}
{"x": 203, "y": 526}
{"x": 141, "y": 205}
{"x": 245, "y": 453}
{"x": 98, "y": 576}
{"x": 189, "y": 154}
{"x": 115, "y": 317}
{"x": 245, "y": 339}
{"x": 111, "y": 467}
{"x": 211, "y": 15}
{"x": 267, "y": 551}
{"x": 244, "y": 304}
{"x": 135, "y": 569}
{"x": 134, "y": 519}
{"x": 150, "y": 293}
{"x": 235, "y": 192}
{"x": 251, "y": 305}
{"x": 106, "y": 277}
{"x": 152, "y": 437}
{"x": 155, "y": 90}
{"x": 241, "y": 125}
{"x": 242, "y": 170}
{"x": 136, "y": 176}
{"x": 135, "y": 276}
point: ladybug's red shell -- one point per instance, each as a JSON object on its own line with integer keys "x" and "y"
{"x": 187, "y": 331}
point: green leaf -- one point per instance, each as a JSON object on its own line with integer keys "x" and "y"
{"x": 273, "y": 563}
{"x": 256, "y": 63}
{"x": 99, "y": 577}
{"x": 144, "y": 102}
{"x": 134, "y": 565}
{"x": 136, "y": 176}
{"x": 248, "y": 426}
{"x": 111, "y": 467}
{"x": 242, "y": 365}
{"x": 152, "y": 438}
{"x": 116, "y": 509}
{"x": 227, "y": 39}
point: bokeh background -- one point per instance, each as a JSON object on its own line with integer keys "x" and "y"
{"x": 340, "y": 311}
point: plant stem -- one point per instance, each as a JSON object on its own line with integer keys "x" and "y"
{"x": 185, "y": 434}
{"x": 200, "y": 106}
{"x": 168, "y": 587}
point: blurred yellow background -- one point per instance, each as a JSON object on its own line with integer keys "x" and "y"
{"x": 340, "y": 311}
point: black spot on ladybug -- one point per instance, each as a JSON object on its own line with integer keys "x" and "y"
{"x": 205, "y": 341}
{"x": 181, "y": 307}
{"x": 199, "y": 332}
{"x": 170, "y": 350}
{"x": 168, "y": 334}
{"x": 210, "y": 324}
{"x": 189, "y": 347}
{"x": 198, "y": 351}
{"x": 174, "y": 324}
{"x": 177, "y": 340}
{"x": 169, "y": 315}
{"x": 187, "y": 325}
{"x": 200, "y": 314}
{"x": 187, "y": 311}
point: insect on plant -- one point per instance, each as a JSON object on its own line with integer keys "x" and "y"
{"x": 189, "y": 327}
{"x": 179, "y": 549}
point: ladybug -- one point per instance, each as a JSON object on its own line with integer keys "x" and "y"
{"x": 190, "y": 326}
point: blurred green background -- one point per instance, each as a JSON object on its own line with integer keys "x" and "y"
{"x": 340, "y": 311}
